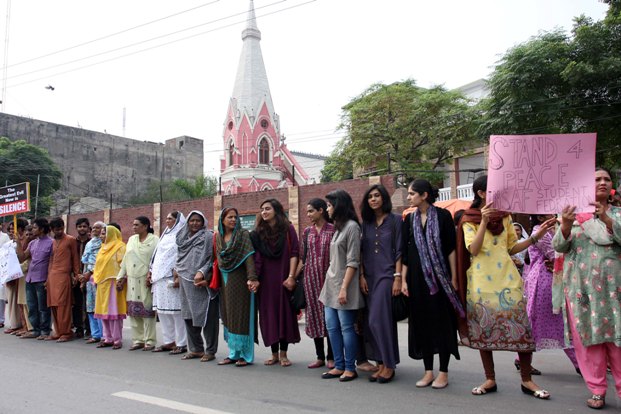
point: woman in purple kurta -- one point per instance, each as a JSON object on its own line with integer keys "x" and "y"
{"x": 314, "y": 262}
{"x": 381, "y": 276}
{"x": 548, "y": 329}
{"x": 276, "y": 256}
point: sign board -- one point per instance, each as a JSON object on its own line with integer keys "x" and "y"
{"x": 541, "y": 174}
{"x": 247, "y": 222}
{"x": 14, "y": 199}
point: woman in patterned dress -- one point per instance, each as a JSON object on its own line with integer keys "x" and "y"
{"x": 492, "y": 291}
{"x": 590, "y": 289}
{"x": 314, "y": 262}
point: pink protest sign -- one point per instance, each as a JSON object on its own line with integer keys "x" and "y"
{"x": 540, "y": 174}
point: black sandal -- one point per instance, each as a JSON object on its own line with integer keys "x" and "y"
{"x": 179, "y": 350}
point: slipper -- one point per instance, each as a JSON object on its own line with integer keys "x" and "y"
{"x": 10, "y": 330}
{"x": 284, "y": 362}
{"x": 135, "y": 347}
{"x": 329, "y": 375}
{"x": 227, "y": 361}
{"x": 92, "y": 341}
{"x": 163, "y": 348}
{"x": 117, "y": 346}
{"x": 317, "y": 364}
{"x": 367, "y": 367}
{"x": 192, "y": 355}
{"x": 272, "y": 361}
{"x": 29, "y": 335}
{"x": 330, "y": 364}
{"x": 436, "y": 386}
{"x": 179, "y": 350}
{"x": 242, "y": 363}
{"x": 347, "y": 378}
{"x": 482, "y": 390}
{"x": 596, "y": 402}
{"x": 539, "y": 394}
{"x": 148, "y": 348}
{"x": 62, "y": 339}
{"x": 51, "y": 338}
{"x": 104, "y": 344}
{"x": 208, "y": 357}
{"x": 423, "y": 384}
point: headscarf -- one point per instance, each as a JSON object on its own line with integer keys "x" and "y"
{"x": 429, "y": 248}
{"x": 165, "y": 254}
{"x": 194, "y": 251}
{"x": 106, "y": 266}
{"x": 232, "y": 254}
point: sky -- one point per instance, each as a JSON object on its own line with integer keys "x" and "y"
{"x": 172, "y": 65}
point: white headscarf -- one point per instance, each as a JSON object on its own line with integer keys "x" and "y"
{"x": 165, "y": 254}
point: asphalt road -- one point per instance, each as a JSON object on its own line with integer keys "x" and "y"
{"x": 77, "y": 378}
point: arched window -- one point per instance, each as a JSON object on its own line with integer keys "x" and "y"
{"x": 264, "y": 152}
{"x": 231, "y": 153}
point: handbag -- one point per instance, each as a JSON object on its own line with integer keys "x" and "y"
{"x": 400, "y": 309}
{"x": 298, "y": 298}
{"x": 216, "y": 277}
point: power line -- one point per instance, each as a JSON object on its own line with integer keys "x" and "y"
{"x": 88, "y": 42}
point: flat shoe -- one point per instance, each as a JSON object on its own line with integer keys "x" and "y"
{"x": 482, "y": 390}
{"x": 242, "y": 363}
{"x": 596, "y": 402}
{"x": 227, "y": 361}
{"x": 272, "y": 361}
{"x": 179, "y": 350}
{"x": 117, "y": 346}
{"x": 135, "y": 347}
{"x": 192, "y": 355}
{"x": 284, "y": 362}
{"x": 92, "y": 341}
{"x": 385, "y": 380}
{"x": 329, "y": 375}
{"x": 439, "y": 386}
{"x": 148, "y": 348}
{"x": 423, "y": 384}
{"x": 104, "y": 344}
{"x": 316, "y": 364}
{"x": 347, "y": 378}
{"x": 163, "y": 349}
{"x": 539, "y": 394}
{"x": 208, "y": 357}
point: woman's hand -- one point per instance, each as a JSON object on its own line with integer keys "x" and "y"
{"x": 199, "y": 280}
{"x": 545, "y": 227}
{"x": 396, "y": 286}
{"x": 175, "y": 284}
{"x": 486, "y": 212}
{"x": 253, "y": 285}
{"x": 120, "y": 283}
{"x": 289, "y": 283}
{"x": 342, "y": 298}
{"x": 568, "y": 215}
{"x": 364, "y": 286}
{"x": 148, "y": 281}
{"x": 404, "y": 288}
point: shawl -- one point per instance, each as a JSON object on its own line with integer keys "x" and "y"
{"x": 138, "y": 256}
{"x": 90, "y": 253}
{"x": 106, "y": 266}
{"x": 431, "y": 256}
{"x": 165, "y": 254}
{"x": 264, "y": 246}
{"x": 194, "y": 251}
{"x": 232, "y": 254}
{"x": 10, "y": 268}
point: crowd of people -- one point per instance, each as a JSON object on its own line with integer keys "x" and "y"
{"x": 476, "y": 278}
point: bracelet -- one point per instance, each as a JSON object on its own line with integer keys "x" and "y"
{"x": 398, "y": 274}
{"x": 533, "y": 240}
{"x": 291, "y": 277}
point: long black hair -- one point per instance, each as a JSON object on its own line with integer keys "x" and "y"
{"x": 365, "y": 209}
{"x": 422, "y": 186}
{"x": 267, "y": 232}
{"x": 480, "y": 184}
{"x": 320, "y": 203}
{"x": 343, "y": 208}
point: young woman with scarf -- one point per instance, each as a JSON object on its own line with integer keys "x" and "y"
{"x": 589, "y": 291}
{"x": 276, "y": 258}
{"x": 199, "y": 303}
{"x": 491, "y": 289}
{"x": 429, "y": 266}
{"x": 380, "y": 277}
{"x": 234, "y": 253}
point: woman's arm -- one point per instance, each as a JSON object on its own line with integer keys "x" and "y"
{"x": 534, "y": 238}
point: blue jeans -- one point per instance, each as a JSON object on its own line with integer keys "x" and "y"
{"x": 340, "y": 324}
{"x": 96, "y": 326}
{"x": 38, "y": 312}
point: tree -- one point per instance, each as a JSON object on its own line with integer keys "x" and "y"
{"x": 177, "y": 190}
{"x": 337, "y": 167}
{"x": 23, "y": 162}
{"x": 203, "y": 186}
{"x": 417, "y": 129}
{"x": 560, "y": 83}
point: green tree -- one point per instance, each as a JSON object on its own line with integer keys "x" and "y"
{"x": 418, "y": 129}
{"x": 203, "y": 186}
{"x": 22, "y": 162}
{"x": 178, "y": 190}
{"x": 562, "y": 83}
{"x": 337, "y": 167}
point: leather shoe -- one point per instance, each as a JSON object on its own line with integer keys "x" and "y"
{"x": 347, "y": 378}
{"x": 329, "y": 375}
{"x": 384, "y": 380}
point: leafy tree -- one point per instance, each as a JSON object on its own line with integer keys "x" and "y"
{"x": 337, "y": 167}
{"x": 560, "y": 83}
{"x": 203, "y": 186}
{"x": 417, "y": 129}
{"x": 177, "y": 190}
{"x": 23, "y": 162}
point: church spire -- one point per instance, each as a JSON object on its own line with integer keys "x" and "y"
{"x": 251, "y": 24}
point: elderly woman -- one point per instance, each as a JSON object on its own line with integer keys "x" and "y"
{"x": 199, "y": 303}
{"x": 590, "y": 294}
{"x": 110, "y": 302}
{"x": 89, "y": 260}
{"x": 166, "y": 300}
{"x": 234, "y": 252}
{"x": 134, "y": 269}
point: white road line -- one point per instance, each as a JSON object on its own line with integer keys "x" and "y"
{"x": 162, "y": 402}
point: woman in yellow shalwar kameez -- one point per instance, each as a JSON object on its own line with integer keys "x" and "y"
{"x": 110, "y": 304}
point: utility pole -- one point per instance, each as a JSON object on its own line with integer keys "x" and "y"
{"x": 37, "y": 195}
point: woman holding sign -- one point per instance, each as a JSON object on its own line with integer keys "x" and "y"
{"x": 590, "y": 287}
{"x": 491, "y": 289}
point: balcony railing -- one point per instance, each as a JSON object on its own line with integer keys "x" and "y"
{"x": 464, "y": 192}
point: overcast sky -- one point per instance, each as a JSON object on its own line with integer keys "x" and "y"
{"x": 318, "y": 54}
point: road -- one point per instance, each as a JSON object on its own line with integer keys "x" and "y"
{"x": 77, "y": 378}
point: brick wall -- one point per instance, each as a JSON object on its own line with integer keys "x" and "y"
{"x": 246, "y": 203}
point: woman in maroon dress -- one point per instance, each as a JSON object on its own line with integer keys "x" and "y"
{"x": 276, "y": 257}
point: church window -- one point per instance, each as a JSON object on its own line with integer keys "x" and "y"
{"x": 231, "y": 153}
{"x": 264, "y": 123}
{"x": 264, "y": 152}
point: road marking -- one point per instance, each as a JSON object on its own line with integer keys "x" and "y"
{"x": 162, "y": 402}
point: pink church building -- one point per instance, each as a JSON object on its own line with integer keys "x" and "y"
{"x": 255, "y": 155}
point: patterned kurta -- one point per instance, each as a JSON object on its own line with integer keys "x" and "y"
{"x": 548, "y": 329}
{"x": 315, "y": 248}
{"x": 496, "y": 310}
{"x": 592, "y": 282}
{"x": 135, "y": 266}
